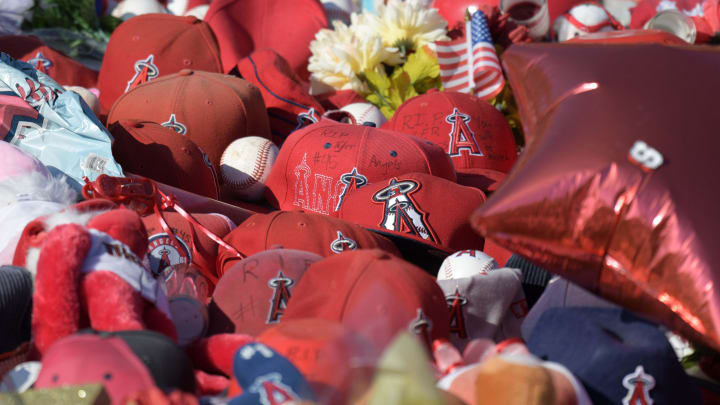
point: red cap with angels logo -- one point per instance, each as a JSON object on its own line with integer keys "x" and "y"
{"x": 310, "y": 232}
{"x": 152, "y": 150}
{"x": 210, "y": 109}
{"x": 317, "y": 164}
{"x": 268, "y": 281}
{"x": 152, "y": 45}
{"x": 471, "y": 131}
{"x": 374, "y": 294}
{"x": 61, "y": 68}
{"x": 417, "y": 206}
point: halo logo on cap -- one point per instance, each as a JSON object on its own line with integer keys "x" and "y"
{"x": 342, "y": 243}
{"x": 176, "y": 126}
{"x": 306, "y": 118}
{"x": 163, "y": 253}
{"x": 461, "y": 136}
{"x": 145, "y": 70}
{"x": 281, "y": 294}
{"x": 638, "y": 385}
{"x": 457, "y": 318}
{"x": 401, "y": 214}
{"x": 348, "y": 179}
{"x": 40, "y": 62}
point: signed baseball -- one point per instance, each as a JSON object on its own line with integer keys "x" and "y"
{"x": 466, "y": 263}
{"x": 245, "y": 166}
{"x": 365, "y": 112}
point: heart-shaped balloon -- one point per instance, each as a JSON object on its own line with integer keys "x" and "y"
{"x": 616, "y": 189}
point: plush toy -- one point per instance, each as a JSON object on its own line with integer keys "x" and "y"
{"x": 91, "y": 270}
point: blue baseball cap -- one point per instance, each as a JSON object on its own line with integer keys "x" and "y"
{"x": 618, "y": 357}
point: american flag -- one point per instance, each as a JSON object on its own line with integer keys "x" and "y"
{"x": 485, "y": 78}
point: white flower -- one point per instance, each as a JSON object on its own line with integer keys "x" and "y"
{"x": 410, "y": 21}
{"x": 339, "y": 55}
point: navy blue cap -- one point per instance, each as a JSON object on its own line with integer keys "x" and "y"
{"x": 267, "y": 377}
{"x": 618, "y": 357}
{"x": 16, "y": 290}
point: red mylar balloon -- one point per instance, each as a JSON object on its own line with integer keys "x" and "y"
{"x": 616, "y": 187}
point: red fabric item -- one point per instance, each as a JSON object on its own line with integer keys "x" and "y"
{"x": 157, "y": 152}
{"x": 471, "y": 131}
{"x": 195, "y": 246}
{"x": 375, "y": 294}
{"x": 267, "y": 280}
{"x": 215, "y": 353}
{"x": 416, "y": 205}
{"x": 210, "y": 109}
{"x": 242, "y": 26}
{"x": 85, "y": 359}
{"x": 286, "y": 96}
{"x": 336, "y": 361}
{"x": 317, "y": 163}
{"x": 499, "y": 253}
{"x": 314, "y": 233}
{"x": 152, "y": 45}
{"x": 61, "y": 68}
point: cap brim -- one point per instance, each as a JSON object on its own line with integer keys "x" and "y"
{"x": 424, "y": 255}
{"x": 486, "y": 180}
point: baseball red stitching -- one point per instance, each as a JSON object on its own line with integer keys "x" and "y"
{"x": 258, "y": 169}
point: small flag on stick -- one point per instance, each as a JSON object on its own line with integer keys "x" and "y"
{"x": 470, "y": 64}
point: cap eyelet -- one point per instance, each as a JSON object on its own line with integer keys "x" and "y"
{"x": 393, "y": 153}
{"x": 107, "y": 376}
{"x": 327, "y": 145}
{"x": 136, "y": 38}
{"x": 301, "y": 224}
{"x": 187, "y": 62}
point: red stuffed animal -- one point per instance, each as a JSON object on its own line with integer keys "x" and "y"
{"x": 90, "y": 271}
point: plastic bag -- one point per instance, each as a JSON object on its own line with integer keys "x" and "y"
{"x": 62, "y": 132}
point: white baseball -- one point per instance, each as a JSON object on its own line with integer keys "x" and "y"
{"x": 245, "y": 166}
{"x": 587, "y": 15}
{"x": 466, "y": 263}
{"x": 128, "y": 9}
{"x": 365, "y": 112}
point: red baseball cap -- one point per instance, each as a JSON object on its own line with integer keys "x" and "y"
{"x": 152, "y": 150}
{"x": 336, "y": 361}
{"x": 318, "y": 163}
{"x": 210, "y": 109}
{"x": 247, "y": 25}
{"x": 61, "y": 68}
{"x": 152, "y": 45}
{"x": 267, "y": 280}
{"x": 429, "y": 209}
{"x": 82, "y": 359}
{"x": 192, "y": 246}
{"x": 287, "y": 99}
{"x": 471, "y": 131}
{"x": 310, "y": 232}
{"x": 374, "y": 294}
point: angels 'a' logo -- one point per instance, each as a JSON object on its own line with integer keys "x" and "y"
{"x": 176, "y": 126}
{"x": 349, "y": 180}
{"x": 461, "y": 137}
{"x": 638, "y": 385}
{"x": 342, "y": 243}
{"x": 401, "y": 213}
{"x": 163, "y": 253}
{"x": 40, "y": 62}
{"x": 273, "y": 391}
{"x": 421, "y": 326}
{"x": 306, "y": 118}
{"x": 457, "y": 318}
{"x": 281, "y": 294}
{"x": 145, "y": 70}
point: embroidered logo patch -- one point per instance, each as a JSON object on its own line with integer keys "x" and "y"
{"x": 281, "y": 294}
{"x": 163, "y": 253}
{"x": 145, "y": 70}
{"x": 461, "y": 136}
{"x": 638, "y": 384}
{"x": 401, "y": 213}
{"x": 176, "y": 126}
